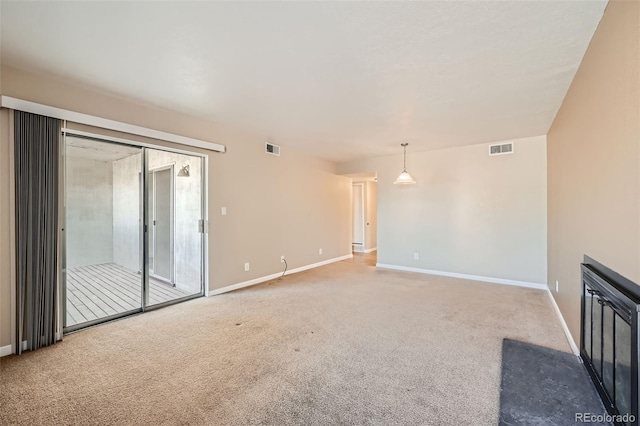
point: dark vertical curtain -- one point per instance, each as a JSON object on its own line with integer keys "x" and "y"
{"x": 37, "y": 143}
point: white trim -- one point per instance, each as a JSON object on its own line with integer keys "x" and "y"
{"x": 465, "y": 276}
{"x": 362, "y": 249}
{"x": 274, "y": 276}
{"x": 565, "y": 327}
{"x": 6, "y": 350}
{"x": 105, "y": 138}
{"x": 77, "y": 117}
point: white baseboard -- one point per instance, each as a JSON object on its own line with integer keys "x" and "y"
{"x": 567, "y": 333}
{"x": 465, "y": 276}
{"x": 6, "y": 350}
{"x": 277, "y": 275}
{"x": 362, "y": 250}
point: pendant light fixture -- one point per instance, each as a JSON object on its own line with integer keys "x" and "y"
{"x": 404, "y": 178}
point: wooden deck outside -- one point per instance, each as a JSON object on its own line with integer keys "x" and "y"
{"x": 98, "y": 291}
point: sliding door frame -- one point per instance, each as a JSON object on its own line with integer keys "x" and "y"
{"x": 144, "y": 228}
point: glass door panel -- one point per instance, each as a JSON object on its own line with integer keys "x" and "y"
{"x": 596, "y": 342}
{"x": 607, "y": 348}
{"x": 588, "y": 303}
{"x": 622, "y": 365}
{"x": 150, "y": 183}
{"x": 175, "y": 240}
{"x": 102, "y": 197}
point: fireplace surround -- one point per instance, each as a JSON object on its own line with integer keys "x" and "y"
{"x": 609, "y": 338}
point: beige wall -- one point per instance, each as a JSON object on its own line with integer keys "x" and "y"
{"x": 290, "y": 205}
{"x": 469, "y": 213}
{"x": 594, "y": 162}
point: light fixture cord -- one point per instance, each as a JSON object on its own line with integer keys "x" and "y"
{"x": 405, "y": 158}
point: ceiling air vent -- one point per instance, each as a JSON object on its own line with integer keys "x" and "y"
{"x": 272, "y": 149}
{"x": 505, "y": 148}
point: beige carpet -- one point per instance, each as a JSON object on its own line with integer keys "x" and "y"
{"x": 341, "y": 344}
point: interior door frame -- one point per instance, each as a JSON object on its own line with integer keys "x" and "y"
{"x": 143, "y": 230}
{"x": 364, "y": 228}
{"x": 172, "y": 225}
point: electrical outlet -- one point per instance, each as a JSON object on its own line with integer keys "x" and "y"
{"x": 281, "y": 259}
{"x": 246, "y": 266}
{"x": 557, "y": 286}
{"x": 320, "y": 251}
{"x": 223, "y": 211}
{"x": 416, "y": 256}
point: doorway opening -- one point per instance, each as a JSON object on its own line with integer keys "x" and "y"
{"x": 161, "y": 217}
{"x": 358, "y": 217}
{"x": 365, "y": 212}
{"x": 132, "y": 236}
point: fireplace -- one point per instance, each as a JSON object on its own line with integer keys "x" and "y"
{"x": 609, "y": 344}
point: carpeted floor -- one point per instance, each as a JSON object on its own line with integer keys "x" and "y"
{"x": 341, "y": 344}
{"x": 542, "y": 386}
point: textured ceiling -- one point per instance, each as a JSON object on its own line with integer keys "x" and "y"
{"x": 94, "y": 150}
{"x": 342, "y": 80}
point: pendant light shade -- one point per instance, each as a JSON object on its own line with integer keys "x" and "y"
{"x": 404, "y": 178}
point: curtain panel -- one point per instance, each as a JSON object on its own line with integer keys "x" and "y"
{"x": 37, "y": 147}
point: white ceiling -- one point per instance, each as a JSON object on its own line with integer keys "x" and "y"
{"x": 363, "y": 177}
{"x": 342, "y": 80}
{"x": 94, "y": 150}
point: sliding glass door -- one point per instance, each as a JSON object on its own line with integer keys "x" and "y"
{"x": 175, "y": 240}
{"x": 132, "y": 233}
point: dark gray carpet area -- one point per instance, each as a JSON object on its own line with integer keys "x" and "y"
{"x": 542, "y": 386}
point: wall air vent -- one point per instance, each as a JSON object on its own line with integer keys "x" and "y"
{"x": 505, "y": 148}
{"x": 272, "y": 149}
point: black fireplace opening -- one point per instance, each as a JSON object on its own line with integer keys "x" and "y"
{"x": 609, "y": 339}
